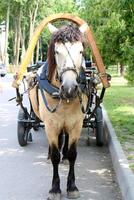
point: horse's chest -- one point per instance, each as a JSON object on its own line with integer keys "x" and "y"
{"x": 67, "y": 116}
{"x": 72, "y": 115}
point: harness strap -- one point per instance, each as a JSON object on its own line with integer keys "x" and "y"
{"x": 70, "y": 55}
{"x": 99, "y": 101}
{"x": 52, "y": 110}
{"x": 19, "y": 99}
{"x": 67, "y": 69}
{"x": 45, "y": 84}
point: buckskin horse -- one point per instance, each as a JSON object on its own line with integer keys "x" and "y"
{"x": 65, "y": 62}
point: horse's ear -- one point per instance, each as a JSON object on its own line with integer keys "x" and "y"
{"x": 83, "y": 64}
{"x": 83, "y": 28}
{"x": 52, "y": 28}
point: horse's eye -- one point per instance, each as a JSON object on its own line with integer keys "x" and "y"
{"x": 81, "y": 52}
{"x": 56, "y": 52}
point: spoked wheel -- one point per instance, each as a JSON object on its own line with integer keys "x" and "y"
{"x": 99, "y": 131}
{"x": 23, "y": 129}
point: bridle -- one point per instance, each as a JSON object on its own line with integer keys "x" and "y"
{"x": 64, "y": 69}
{"x": 74, "y": 69}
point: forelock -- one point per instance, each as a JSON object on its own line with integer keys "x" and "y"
{"x": 68, "y": 33}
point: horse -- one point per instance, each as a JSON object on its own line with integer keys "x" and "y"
{"x": 65, "y": 62}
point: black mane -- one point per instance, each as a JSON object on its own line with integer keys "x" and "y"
{"x": 68, "y": 33}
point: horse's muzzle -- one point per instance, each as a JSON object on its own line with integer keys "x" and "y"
{"x": 69, "y": 91}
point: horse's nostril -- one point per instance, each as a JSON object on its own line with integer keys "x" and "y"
{"x": 69, "y": 90}
{"x": 62, "y": 87}
{"x": 76, "y": 87}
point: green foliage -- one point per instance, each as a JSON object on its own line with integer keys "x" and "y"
{"x": 113, "y": 25}
{"x": 26, "y": 9}
{"x": 61, "y": 6}
{"x": 130, "y": 73}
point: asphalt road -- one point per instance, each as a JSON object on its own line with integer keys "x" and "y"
{"x": 24, "y": 172}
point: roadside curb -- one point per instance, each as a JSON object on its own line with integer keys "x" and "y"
{"x": 124, "y": 174}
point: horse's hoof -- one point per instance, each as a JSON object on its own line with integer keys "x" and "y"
{"x": 65, "y": 162}
{"x": 54, "y": 196}
{"x": 73, "y": 194}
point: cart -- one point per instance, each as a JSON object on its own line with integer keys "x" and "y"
{"x": 27, "y": 120}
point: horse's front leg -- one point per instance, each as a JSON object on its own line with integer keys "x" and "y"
{"x": 72, "y": 190}
{"x": 60, "y": 143}
{"x": 55, "y": 192}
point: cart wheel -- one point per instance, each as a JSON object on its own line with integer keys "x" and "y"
{"x": 99, "y": 127}
{"x": 23, "y": 128}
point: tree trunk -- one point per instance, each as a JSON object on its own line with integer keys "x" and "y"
{"x": 6, "y": 60}
{"x": 15, "y": 42}
{"x": 18, "y": 39}
{"x": 31, "y": 29}
{"x": 40, "y": 44}
{"x": 23, "y": 48}
{"x": 32, "y": 16}
{"x": 121, "y": 70}
{"x": 37, "y": 52}
{"x": 1, "y": 54}
{"x": 118, "y": 69}
{"x": 31, "y": 33}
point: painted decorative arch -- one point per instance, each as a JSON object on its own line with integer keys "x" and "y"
{"x": 84, "y": 28}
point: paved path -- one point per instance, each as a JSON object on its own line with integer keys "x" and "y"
{"x": 25, "y": 174}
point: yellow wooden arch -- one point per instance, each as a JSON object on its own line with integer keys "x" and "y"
{"x": 84, "y": 28}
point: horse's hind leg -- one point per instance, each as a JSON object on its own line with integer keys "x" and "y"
{"x": 72, "y": 190}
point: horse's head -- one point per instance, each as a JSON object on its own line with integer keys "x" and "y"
{"x": 67, "y": 49}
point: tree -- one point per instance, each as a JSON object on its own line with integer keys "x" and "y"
{"x": 107, "y": 26}
{"x": 24, "y": 16}
{"x": 127, "y": 11}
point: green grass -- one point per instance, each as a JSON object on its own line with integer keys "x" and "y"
{"x": 130, "y": 149}
{"x": 132, "y": 166}
{"x": 130, "y": 157}
{"x": 119, "y": 103}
